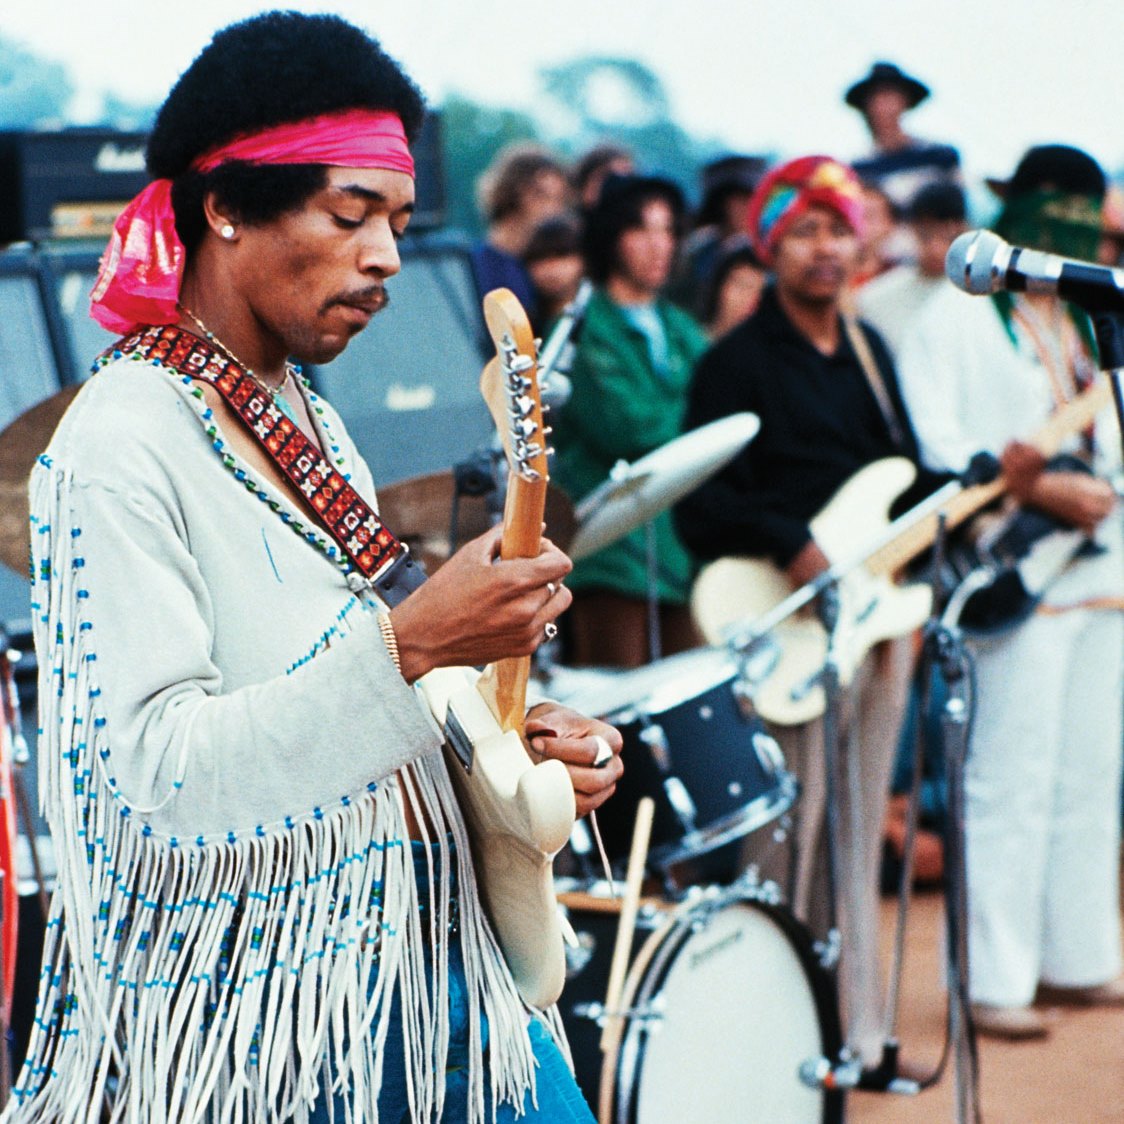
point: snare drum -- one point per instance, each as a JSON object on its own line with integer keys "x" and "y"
{"x": 693, "y": 744}
{"x": 723, "y": 1006}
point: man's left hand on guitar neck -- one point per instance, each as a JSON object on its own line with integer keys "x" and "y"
{"x": 575, "y": 740}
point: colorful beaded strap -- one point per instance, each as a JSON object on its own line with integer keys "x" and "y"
{"x": 371, "y": 547}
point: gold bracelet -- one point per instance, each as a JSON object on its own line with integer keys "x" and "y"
{"x": 391, "y": 641}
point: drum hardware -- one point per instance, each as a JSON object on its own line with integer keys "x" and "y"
{"x": 600, "y": 1014}
{"x": 696, "y": 746}
{"x": 830, "y": 949}
{"x": 757, "y": 660}
{"x": 820, "y": 1073}
{"x": 655, "y": 738}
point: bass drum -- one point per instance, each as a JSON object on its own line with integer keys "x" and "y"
{"x": 723, "y": 1003}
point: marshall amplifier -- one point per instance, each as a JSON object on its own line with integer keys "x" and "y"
{"x": 69, "y": 184}
{"x": 74, "y": 183}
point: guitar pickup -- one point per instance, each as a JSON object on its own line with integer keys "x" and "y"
{"x": 458, "y": 740}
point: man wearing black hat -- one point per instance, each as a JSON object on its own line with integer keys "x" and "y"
{"x": 1042, "y": 791}
{"x": 900, "y": 164}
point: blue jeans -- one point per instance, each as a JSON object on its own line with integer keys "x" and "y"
{"x": 560, "y": 1101}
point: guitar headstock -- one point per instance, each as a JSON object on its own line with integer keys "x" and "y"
{"x": 510, "y": 386}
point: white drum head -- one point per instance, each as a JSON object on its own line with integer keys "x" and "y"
{"x": 653, "y": 688}
{"x": 738, "y": 1020}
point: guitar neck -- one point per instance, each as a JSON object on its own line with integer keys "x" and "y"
{"x": 1073, "y": 417}
{"x": 504, "y": 684}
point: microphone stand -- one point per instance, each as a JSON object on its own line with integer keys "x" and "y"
{"x": 1109, "y": 329}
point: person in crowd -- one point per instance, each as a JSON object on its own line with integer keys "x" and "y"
{"x": 553, "y": 259}
{"x": 727, "y": 186}
{"x": 1044, "y": 765}
{"x": 266, "y": 906}
{"x": 629, "y": 375}
{"x": 734, "y": 289}
{"x": 1110, "y": 250}
{"x": 523, "y": 186}
{"x": 937, "y": 217}
{"x": 828, "y": 400}
{"x": 881, "y": 243}
{"x": 591, "y": 169}
{"x": 900, "y": 164}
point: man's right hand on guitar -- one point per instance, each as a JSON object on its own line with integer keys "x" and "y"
{"x": 1075, "y": 498}
{"x": 478, "y": 608}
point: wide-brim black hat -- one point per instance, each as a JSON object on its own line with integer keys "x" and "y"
{"x": 886, "y": 74}
{"x": 1060, "y": 166}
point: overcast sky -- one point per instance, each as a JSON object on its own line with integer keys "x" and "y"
{"x": 756, "y": 74}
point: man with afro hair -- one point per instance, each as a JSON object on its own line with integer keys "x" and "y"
{"x": 266, "y": 906}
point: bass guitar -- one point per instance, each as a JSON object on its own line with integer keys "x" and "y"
{"x": 749, "y": 602}
{"x": 519, "y": 813}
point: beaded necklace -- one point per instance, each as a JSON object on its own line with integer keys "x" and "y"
{"x": 274, "y": 392}
{"x": 363, "y": 547}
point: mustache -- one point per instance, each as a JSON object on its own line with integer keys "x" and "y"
{"x": 373, "y": 296}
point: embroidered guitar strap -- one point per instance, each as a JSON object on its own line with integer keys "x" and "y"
{"x": 352, "y": 524}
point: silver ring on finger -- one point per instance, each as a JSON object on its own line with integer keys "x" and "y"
{"x": 550, "y": 631}
{"x": 604, "y": 752}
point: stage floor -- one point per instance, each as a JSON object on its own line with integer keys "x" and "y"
{"x": 1076, "y": 1076}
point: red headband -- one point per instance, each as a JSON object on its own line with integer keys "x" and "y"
{"x": 142, "y": 267}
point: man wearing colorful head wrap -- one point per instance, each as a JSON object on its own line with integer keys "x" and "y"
{"x": 793, "y": 364}
{"x": 1043, "y": 772}
{"x": 266, "y": 906}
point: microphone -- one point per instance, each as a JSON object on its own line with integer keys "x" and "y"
{"x": 980, "y": 262}
{"x": 557, "y": 354}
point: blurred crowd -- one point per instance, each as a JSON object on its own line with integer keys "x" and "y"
{"x": 813, "y": 294}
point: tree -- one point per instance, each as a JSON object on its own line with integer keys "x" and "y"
{"x": 472, "y": 134}
{"x": 33, "y": 91}
{"x": 606, "y": 97}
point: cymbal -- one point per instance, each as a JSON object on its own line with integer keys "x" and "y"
{"x": 20, "y": 445}
{"x": 419, "y": 511}
{"x": 636, "y": 493}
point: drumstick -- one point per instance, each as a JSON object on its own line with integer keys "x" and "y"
{"x": 637, "y": 860}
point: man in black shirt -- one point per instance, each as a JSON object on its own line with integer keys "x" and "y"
{"x": 827, "y": 410}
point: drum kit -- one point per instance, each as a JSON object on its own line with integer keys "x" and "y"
{"x": 726, "y": 1003}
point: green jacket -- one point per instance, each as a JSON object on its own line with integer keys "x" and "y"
{"x": 621, "y": 409}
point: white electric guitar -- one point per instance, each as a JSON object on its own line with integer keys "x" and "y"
{"x": 519, "y": 814}
{"x": 855, "y": 532}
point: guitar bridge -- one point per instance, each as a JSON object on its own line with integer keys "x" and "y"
{"x": 458, "y": 740}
